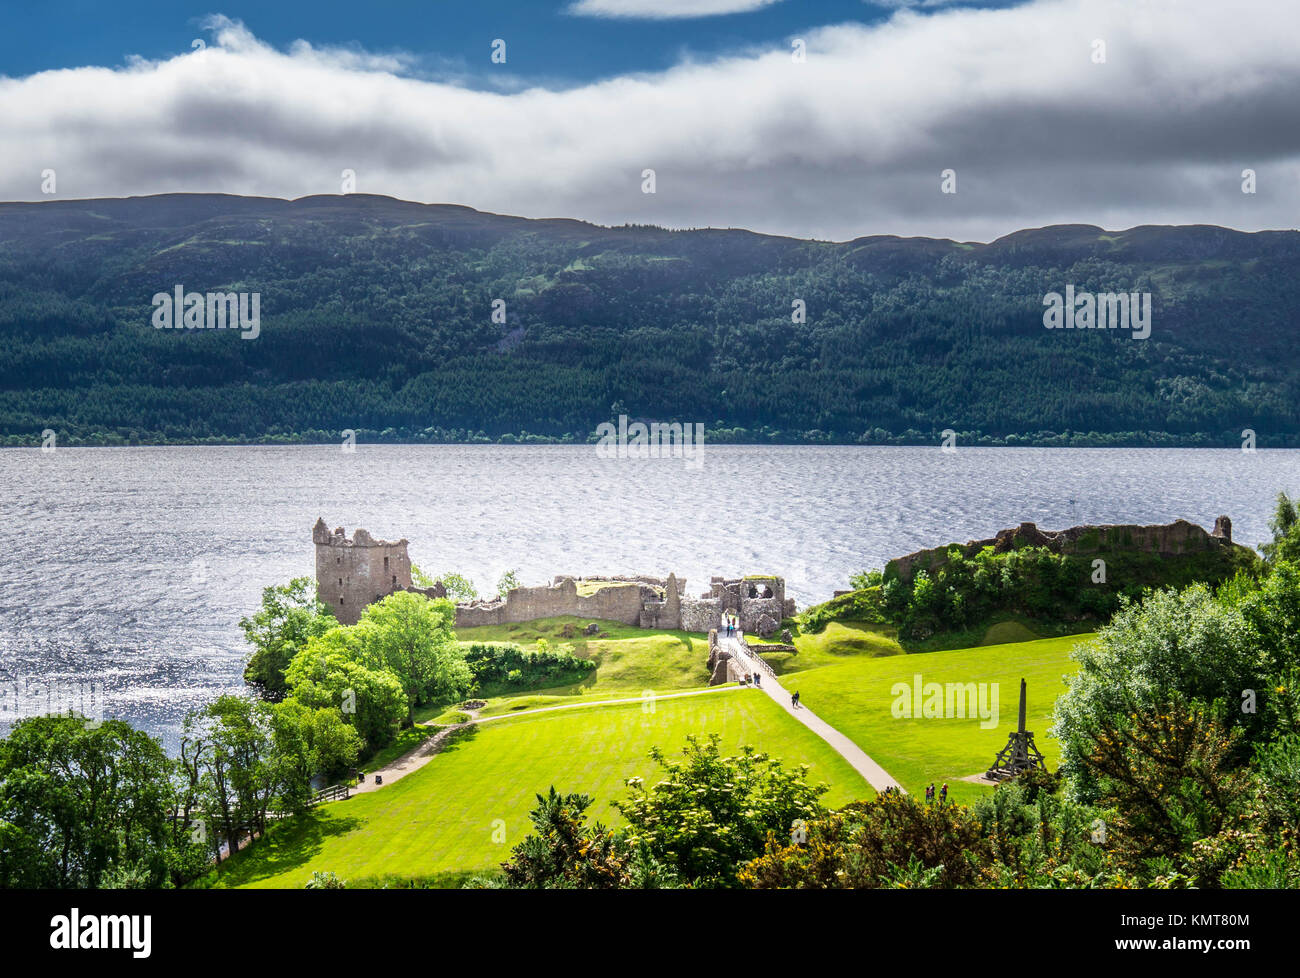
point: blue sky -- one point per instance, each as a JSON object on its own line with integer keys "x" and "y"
{"x": 546, "y": 42}
{"x": 912, "y": 117}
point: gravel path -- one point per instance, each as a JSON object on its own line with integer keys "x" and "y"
{"x": 876, "y": 776}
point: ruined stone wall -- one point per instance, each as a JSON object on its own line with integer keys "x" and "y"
{"x": 352, "y": 573}
{"x": 1165, "y": 539}
{"x": 700, "y": 614}
{"x": 761, "y": 616}
{"x": 759, "y": 603}
{"x": 665, "y": 612}
{"x": 617, "y": 602}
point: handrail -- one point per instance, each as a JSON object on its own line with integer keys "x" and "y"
{"x": 751, "y": 654}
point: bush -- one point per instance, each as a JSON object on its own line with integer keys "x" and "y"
{"x": 325, "y": 881}
{"x": 502, "y": 663}
{"x": 894, "y": 841}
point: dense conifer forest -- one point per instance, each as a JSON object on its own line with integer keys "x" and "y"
{"x": 377, "y": 316}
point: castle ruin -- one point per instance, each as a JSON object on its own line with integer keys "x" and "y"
{"x": 1165, "y": 539}
{"x": 353, "y": 573}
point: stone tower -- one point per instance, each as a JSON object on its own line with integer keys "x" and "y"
{"x": 1223, "y": 529}
{"x": 351, "y": 574}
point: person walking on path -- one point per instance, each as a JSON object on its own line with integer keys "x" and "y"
{"x": 794, "y": 700}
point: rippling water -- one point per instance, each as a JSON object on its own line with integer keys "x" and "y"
{"x": 131, "y": 567}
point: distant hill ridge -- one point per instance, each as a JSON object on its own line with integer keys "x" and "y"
{"x": 377, "y": 316}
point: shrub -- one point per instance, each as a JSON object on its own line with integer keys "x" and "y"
{"x": 325, "y": 881}
{"x": 894, "y": 841}
{"x": 502, "y": 663}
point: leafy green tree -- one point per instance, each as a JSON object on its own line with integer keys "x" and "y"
{"x": 332, "y": 673}
{"x": 1271, "y": 608}
{"x": 413, "y": 638}
{"x": 1277, "y": 771}
{"x": 310, "y": 742}
{"x": 193, "y": 845}
{"x": 241, "y": 773}
{"x": 709, "y": 813}
{"x": 866, "y": 579}
{"x": 1285, "y": 525}
{"x": 1175, "y": 643}
{"x": 82, "y": 805}
{"x": 563, "y": 852}
{"x": 493, "y": 663}
{"x": 459, "y": 587}
{"x": 508, "y": 582}
{"x": 289, "y": 618}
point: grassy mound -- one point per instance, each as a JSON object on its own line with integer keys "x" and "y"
{"x": 629, "y": 661}
{"x": 836, "y": 641}
{"x": 958, "y": 594}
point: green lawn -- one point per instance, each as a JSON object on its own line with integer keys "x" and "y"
{"x": 629, "y": 661}
{"x": 442, "y": 817}
{"x": 854, "y": 695}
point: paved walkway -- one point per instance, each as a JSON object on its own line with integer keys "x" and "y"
{"x": 415, "y": 759}
{"x": 876, "y": 776}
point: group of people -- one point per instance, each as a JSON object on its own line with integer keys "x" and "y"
{"x": 752, "y": 677}
{"x": 929, "y": 793}
{"x": 794, "y": 699}
{"x": 730, "y": 624}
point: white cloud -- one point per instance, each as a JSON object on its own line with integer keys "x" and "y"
{"x": 895, "y": 4}
{"x": 665, "y": 9}
{"x": 850, "y": 142}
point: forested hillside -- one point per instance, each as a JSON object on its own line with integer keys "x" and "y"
{"x": 376, "y": 316}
